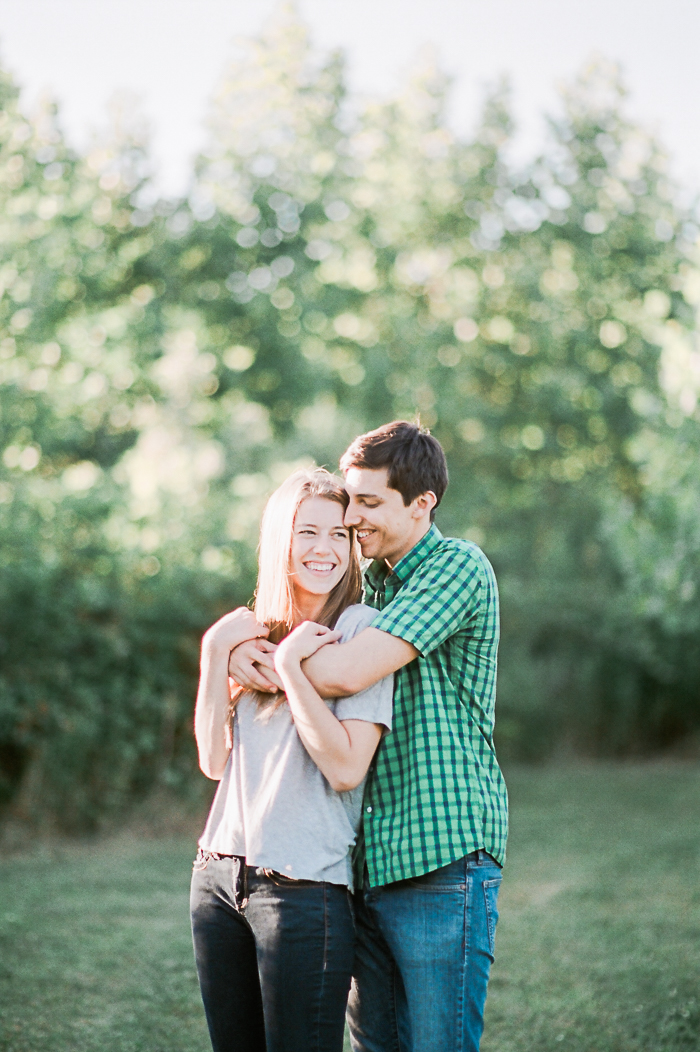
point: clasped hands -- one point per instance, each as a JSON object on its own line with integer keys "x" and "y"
{"x": 256, "y": 663}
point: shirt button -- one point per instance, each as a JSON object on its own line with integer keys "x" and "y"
{"x": 368, "y": 810}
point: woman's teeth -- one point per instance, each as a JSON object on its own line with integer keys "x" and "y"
{"x": 320, "y": 567}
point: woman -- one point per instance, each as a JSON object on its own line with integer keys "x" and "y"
{"x": 271, "y": 916}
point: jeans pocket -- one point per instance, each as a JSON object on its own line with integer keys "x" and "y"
{"x": 280, "y": 880}
{"x": 419, "y": 884}
{"x": 201, "y": 861}
{"x": 451, "y": 877}
{"x": 491, "y": 888}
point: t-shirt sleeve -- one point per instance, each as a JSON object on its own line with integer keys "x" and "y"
{"x": 375, "y": 704}
{"x": 442, "y": 596}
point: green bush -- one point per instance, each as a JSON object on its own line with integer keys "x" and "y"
{"x": 96, "y": 694}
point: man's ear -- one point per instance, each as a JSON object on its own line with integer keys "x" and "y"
{"x": 424, "y": 504}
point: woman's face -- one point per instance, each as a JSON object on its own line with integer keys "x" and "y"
{"x": 320, "y": 546}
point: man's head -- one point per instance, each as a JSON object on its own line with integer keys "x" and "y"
{"x": 395, "y": 477}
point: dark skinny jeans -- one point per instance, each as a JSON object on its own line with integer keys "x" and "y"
{"x": 274, "y": 957}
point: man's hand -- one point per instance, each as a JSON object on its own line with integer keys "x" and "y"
{"x": 252, "y": 666}
{"x": 300, "y": 644}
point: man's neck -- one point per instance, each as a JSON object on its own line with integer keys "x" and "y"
{"x": 410, "y": 543}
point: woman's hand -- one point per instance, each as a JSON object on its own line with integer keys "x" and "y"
{"x": 233, "y": 628}
{"x": 300, "y": 644}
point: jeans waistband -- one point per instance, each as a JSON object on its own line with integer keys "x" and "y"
{"x": 482, "y": 857}
{"x": 245, "y": 873}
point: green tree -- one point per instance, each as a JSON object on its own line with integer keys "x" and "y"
{"x": 165, "y": 363}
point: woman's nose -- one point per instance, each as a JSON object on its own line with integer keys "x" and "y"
{"x": 322, "y": 544}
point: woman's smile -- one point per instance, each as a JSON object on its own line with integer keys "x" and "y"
{"x": 320, "y": 568}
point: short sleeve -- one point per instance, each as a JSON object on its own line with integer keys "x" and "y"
{"x": 375, "y": 704}
{"x": 441, "y": 597}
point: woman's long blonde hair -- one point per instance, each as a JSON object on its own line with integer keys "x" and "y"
{"x": 274, "y": 595}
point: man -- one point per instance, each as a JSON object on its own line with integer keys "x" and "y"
{"x": 428, "y": 866}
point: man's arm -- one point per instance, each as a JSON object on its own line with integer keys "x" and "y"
{"x": 440, "y": 599}
{"x": 341, "y": 669}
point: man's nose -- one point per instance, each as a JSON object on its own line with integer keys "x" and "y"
{"x": 352, "y": 517}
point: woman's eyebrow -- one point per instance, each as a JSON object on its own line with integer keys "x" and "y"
{"x": 315, "y": 526}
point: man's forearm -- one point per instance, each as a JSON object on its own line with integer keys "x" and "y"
{"x": 341, "y": 669}
{"x": 327, "y": 671}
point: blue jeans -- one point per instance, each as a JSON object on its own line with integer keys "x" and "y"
{"x": 424, "y": 951}
{"x": 274, "y": 957}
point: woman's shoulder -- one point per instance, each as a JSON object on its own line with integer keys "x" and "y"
{"x": 353, "y": 619}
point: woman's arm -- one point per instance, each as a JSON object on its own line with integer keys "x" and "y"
{"x": 211, "y": 714}
{"x": 341, "y": 750}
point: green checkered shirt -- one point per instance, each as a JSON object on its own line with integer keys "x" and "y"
{"x": 435, "y": 791}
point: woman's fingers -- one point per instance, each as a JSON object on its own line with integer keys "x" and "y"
{"x": 307, "y": 638}
{"x": 320, "y": 641}
{"x": 309, "y": 629}
{"x": 321, "y": 634}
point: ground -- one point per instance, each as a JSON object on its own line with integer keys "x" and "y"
{"x": 598, "y": 946}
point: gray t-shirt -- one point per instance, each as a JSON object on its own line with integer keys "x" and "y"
{"x": 273, "y": 806}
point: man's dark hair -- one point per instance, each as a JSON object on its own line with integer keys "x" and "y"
{"x": 415, "y": 461}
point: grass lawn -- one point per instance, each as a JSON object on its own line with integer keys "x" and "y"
{"x": 598, "y": 946}
{"x": 598, "y": 942}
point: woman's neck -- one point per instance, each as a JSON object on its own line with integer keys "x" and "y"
{"x": 309, "y": 607}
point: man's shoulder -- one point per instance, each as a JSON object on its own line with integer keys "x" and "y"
{"x": 457, "y": 556}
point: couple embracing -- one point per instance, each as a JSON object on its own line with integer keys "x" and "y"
{"x": 355, "y": 842}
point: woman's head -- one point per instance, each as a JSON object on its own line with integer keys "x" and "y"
{"x": 305, "y": 550}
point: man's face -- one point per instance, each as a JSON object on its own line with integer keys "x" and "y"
{"x": 386, "y": 528}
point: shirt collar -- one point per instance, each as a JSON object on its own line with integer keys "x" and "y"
{"x": 377, "y": 572}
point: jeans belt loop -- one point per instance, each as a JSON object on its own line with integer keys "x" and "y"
{"x": 240, "y": 883}
{"x": 244, "y": 884}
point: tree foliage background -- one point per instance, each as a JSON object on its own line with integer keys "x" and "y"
{"x": 165, "y": 363}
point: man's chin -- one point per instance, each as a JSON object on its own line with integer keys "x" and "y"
{"x": 371, "y": 549}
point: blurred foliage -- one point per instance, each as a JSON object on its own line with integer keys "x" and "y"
{"x": 164, "y": 363}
